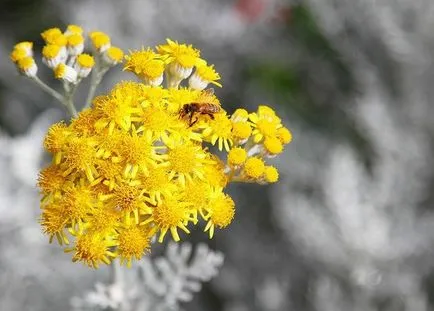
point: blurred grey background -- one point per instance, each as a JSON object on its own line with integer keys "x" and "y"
{"x": 350, "y": 225}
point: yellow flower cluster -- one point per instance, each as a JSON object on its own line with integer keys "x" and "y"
{"x": 141, "y": 163}
{"x": 63, "y": 53}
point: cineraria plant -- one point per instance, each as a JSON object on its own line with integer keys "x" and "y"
{"x": 148, "y": 158}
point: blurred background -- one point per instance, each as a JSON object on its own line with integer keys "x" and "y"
{"x": 350, "y": 225}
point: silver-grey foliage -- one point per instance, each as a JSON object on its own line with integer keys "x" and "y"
{"x": 155, "y": 284}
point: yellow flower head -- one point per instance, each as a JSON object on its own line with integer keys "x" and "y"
{"x": 184, "y": 55}
{"x": 273, "y": 145}
{"x": 271, "y": 175}
{"x": 51, "y": 51}
{"x": 215, "y": 172}
{"x": 133, "y": 243}
{"x": 73, "y": 29}
{"x": 186, "y": 161}
{"x": 53, "y": 222}
{"x": 85, "y": 61}
{"x": 27, "y": 66}
{"x": 51, "y": 36}
{"x": 284, "y": 135}
{"x": 170, "y": 214}
{"x": 241, "y": 131}
{"x": 146, "y": 158}
{"x": 219, "y": 130}
{"x": 221, "y": 211}
{"x": 75, "y": 43}
{"x": 254, "y": 167}
{"x": 147, "y": 65}
{"x": 56, "y": 138}
{"x": 113, "y": 55}
{"x": 21, "y": 50}
{"x": 100, "y": 41}
{"x": 265, "y": 123}
{"x": 237, "y": 156}
{"x": 92, "y": 249}
{"x": 51, "y": 180}
{"x": 204, "y": 75}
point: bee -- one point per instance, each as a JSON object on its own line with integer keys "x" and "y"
{"x": 202, "y": 108}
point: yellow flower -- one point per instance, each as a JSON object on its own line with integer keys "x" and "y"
{"x": 237, "y": 156}
{"x": 75, "y": 44}
{"x": 50, "y": 182}
{"x": 265, "y": 123}
{"x": 215, "y": 173}
{"x": 54, "y": 36}
{"x": 92, "y": 250}
{"x": 254, "y": 167}
{"x": 284, "y": 135}
{"x": 56, "y": 139}
{"x": 27, "y": 66}
{"x": 18, "y": 54}
{"x": 219, "y": 130}
{"x": 115, "y": 112}
{"x": 22, "y": 50}
{"x": 197, "y": 194}
{"x": 241, "y": 131}
{"x": 76, "y": 202}
{"x": 79, "y": 156}
{"x": 157, "y": 184}
{"x": 85, "y": 61}
{"x": 170, "y": 214}
{"x": 102, "y": 220}
{"x": 204, "y": 75}
{"x": 84, "y": 65}
{"x": 221, "y": 211}
{"x": 53, "y": 55}
{"x": 185, "y": 161}
{"x": 84, "y": 123}
{"x": 109, "y": 172}
{"x": 66, "y": 73}
{"x": 147, "y": 65}
{"x": 156, "y": 123}
{"x": 73, "y": 29}
{"x": 133, "y": 243}
{"x": 271, "y": 175}
{"x": 113, "y": 55}
{"x": 184, "y": 55}
{"x": 100, "y": 41}
{"x": 136, "y": 153}
{"x": 53, "y": 223}
{"x": 129, "y": 199}
{"x": 273, "y": 145}
{"x": 133, "y": 166}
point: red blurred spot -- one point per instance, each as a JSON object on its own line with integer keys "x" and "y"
{"x": 282, "y": 15}
{"x": 250, "y": 10}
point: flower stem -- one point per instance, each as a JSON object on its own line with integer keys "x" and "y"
{"x": 96, "y": 77}
{"x": 69, "y": 103}
{"x": 66, "y": 101}
{"x": 48, "y": 89}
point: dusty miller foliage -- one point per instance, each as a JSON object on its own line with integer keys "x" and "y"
{"x": 367, "y": 228}
{"x": 155, "y": 284}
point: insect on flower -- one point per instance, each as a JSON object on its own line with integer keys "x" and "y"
{"x": 199, "y": 108}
